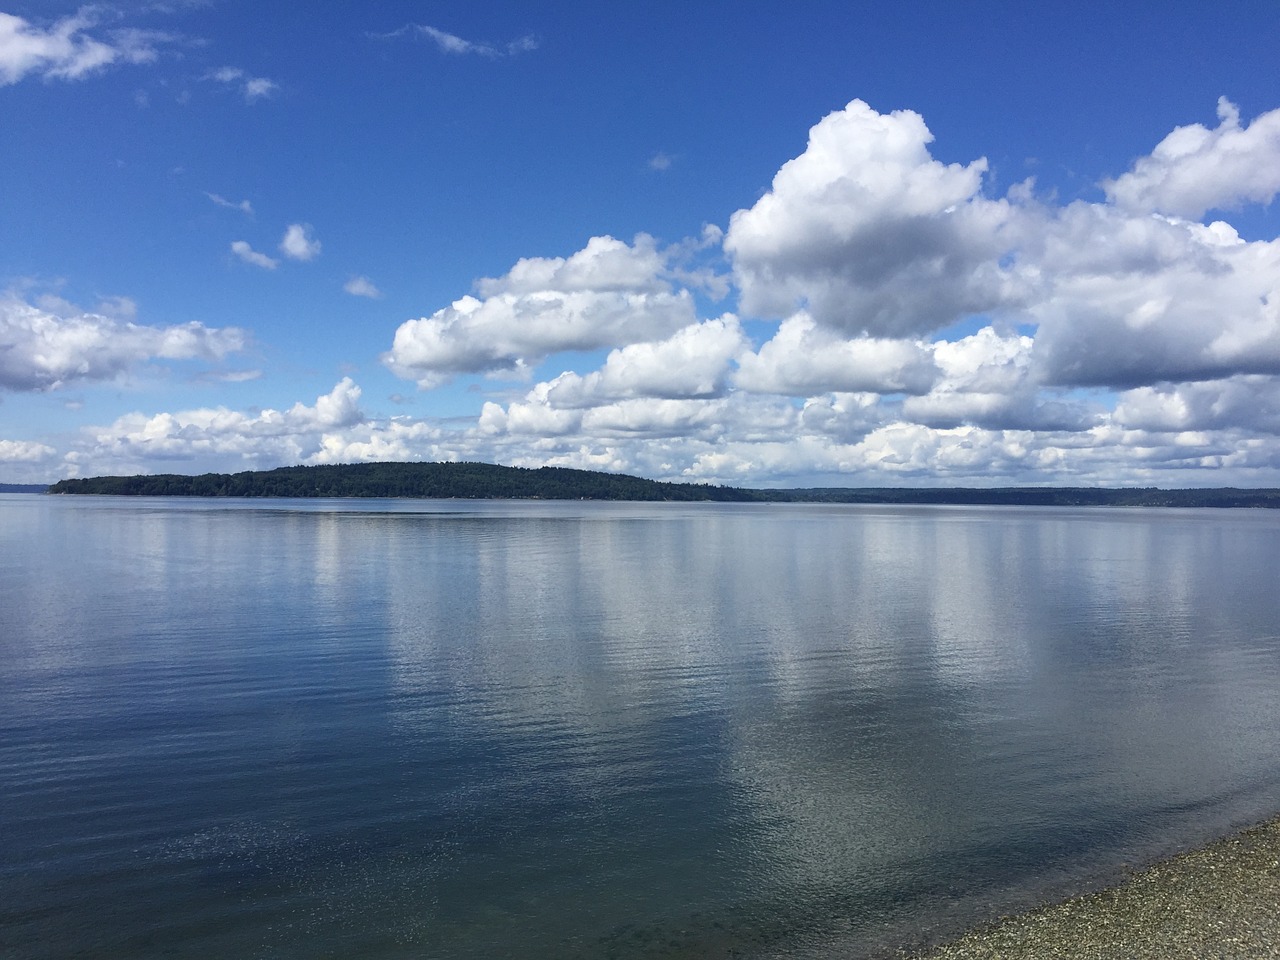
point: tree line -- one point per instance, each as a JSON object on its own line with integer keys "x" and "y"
{"x": 478, "y": 481}
{"x": 487, "y": 481}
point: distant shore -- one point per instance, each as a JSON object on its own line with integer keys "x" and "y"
{"x": 488, "y": 481}
{"x": 1220, "y": 901}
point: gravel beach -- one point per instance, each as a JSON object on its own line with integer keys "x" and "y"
{"x": 1221, "y": 901}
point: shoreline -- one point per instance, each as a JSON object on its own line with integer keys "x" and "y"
{"x": 1217, "y": 901}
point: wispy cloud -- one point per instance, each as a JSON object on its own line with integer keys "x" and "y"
{"x": 230, "y": 376}
{"x": 251, "y": 88}
{"x": 244, "y": 206}
{"x": 362, "y": 287}
{"x": 661, "y": 161}
{"x": 453, "y": 44}
{"x": 246, "y": 253}
{"x": 65, "y": 50}
{"x": 299, "y": 243}
{"x": 255, "y": 88}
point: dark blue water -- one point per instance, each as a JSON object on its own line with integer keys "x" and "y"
{"x": 393, "y": 729}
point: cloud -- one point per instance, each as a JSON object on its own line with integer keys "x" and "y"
{"x": 661, "y": 161}
{"x": 526, "y": 44}
{"x": 448, "y": 43}
{"x": 894, "y": 322}
{"x": 804, "y": 359}
{"x": 44, "y": 350}
{"x": 1242, "y": 403}
{"x": 334, "y": 428}
{"x": 871, "y": 235}
{"x": 880, "y": 240}
{"x": 257, "y": 88}
{"x": 65, "y": 50}
{"x": 451, "y": 44}
{"x": 692, "y": 363}
{"x": 231, "y": 376}
{"x": 25, "y": 451}
{"x": 244, "y": 206}
{"x": 1128, "y": 301}
{"x": 607, "y": 294}
{"x": 1195, "y": 169}
{"x": 362, "y": 287}
{"x": 851, "y": 272}
{"x": 988, "y": 380}
{"x": 299, "y": 243}
{"x": 670, "y": 423}
{"x": 246, "y": 253}
{"x": 268, "y": 437}
{"x": 251, "y": 88}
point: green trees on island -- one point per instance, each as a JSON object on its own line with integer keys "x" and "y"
{"x": 487, "y": 481}
{"x": 481, "y": 481}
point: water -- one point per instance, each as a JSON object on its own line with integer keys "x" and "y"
{"x": 386, "y": 729}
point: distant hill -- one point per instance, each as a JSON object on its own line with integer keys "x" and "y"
{"x": 486, "y": 481}
{"x": 23, "y": 487}
{"x": 482, "y": 481}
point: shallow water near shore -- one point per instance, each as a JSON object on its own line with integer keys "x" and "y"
{"x": 394, "y": 729}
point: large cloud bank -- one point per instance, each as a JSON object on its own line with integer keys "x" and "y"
{"x": 926, "y": 329}
{"x": 894, "y": 322}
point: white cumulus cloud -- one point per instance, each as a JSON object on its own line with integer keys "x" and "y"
{"x": 987, "y": 380}
{"x": 872, "y": 235}
{"x": 25, "y": 451}
{"x": 1132, "y": 300}
{"x": 1195, "y": 169}
{"x": 333, "y": 429}
{"x": 880, "y": 240}
{"x": 44, "y": 350}
{"x": 803, "y": 359}
{"x": 894, "y": 322}
{"x": 268, "y": 437}
{"x": 858, "y": 260}
{"x": 1242, "y": 403}
{"x": 694, "y": 362}
{"x": 608, "y": 294}
{"x": 299, "y": 242}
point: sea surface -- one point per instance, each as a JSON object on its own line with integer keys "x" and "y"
{"x": 451, "y": 729}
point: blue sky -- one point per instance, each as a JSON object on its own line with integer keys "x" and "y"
{"x": 756, "y": 243}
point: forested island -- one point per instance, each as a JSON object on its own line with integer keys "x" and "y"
{"x": 486, "y": 481}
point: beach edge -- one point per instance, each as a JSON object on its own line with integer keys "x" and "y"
{"x": 1220, "y": 900}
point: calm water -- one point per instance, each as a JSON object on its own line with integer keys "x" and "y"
{"x": 392, "y": 729}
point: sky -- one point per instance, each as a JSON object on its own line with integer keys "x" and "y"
{"x": 761, "y": 244}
